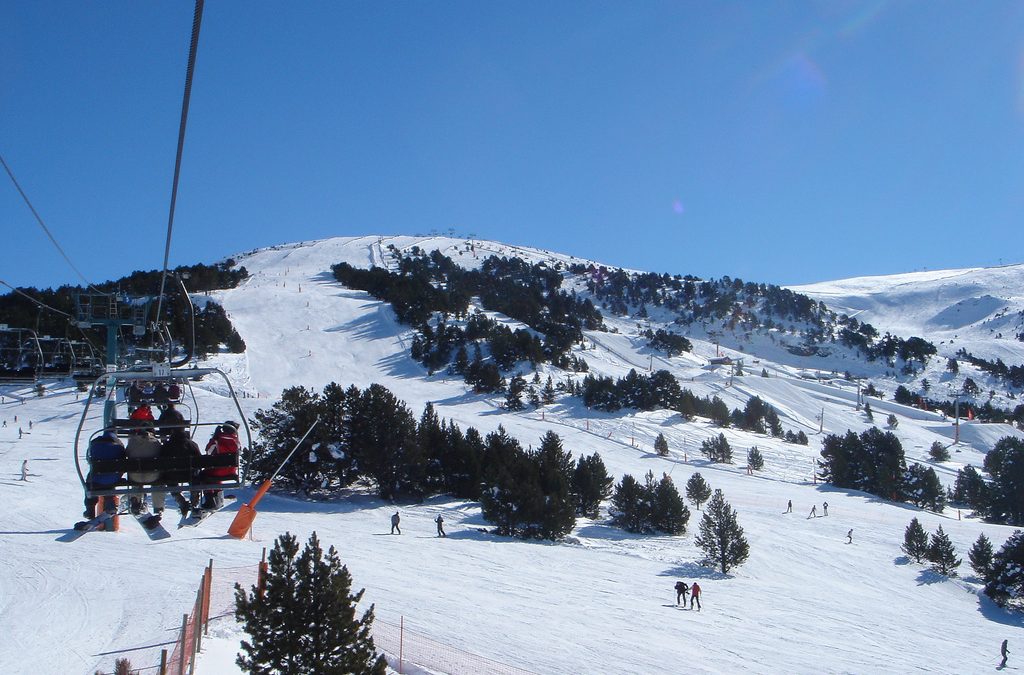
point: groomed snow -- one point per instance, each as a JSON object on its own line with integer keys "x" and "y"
{"x": 599, "y": 602}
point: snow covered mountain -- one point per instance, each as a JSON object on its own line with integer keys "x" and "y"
{"x": 601, "y": 601}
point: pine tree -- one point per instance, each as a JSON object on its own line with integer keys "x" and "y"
{"x": 670, "y": 513}
{"x": 942, "y": 555}
{"x": 591, "y": 485}
{"x": 1006, "y": 580}
{"x": 697, "y": 490}
{"x": 305, "y": 622}
{"x": 938, "y": 452}
{"x": 717, "y": 449}
{"x": 915, "y": 541}
{"x": 867, "y": 412}
{"x": 980, "y": 557}
{"x": 721, "y": 536}
{"x": 548, "y": 393}
{"x": 629, "y": 505}
{"x": 661, "y": 445}
{"x": 754, "y": 459}
{"x": 892, "y": 421}
{"x": 514, "y": 398}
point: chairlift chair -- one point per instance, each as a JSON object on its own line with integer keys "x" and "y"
{"x": 172, "y": 470}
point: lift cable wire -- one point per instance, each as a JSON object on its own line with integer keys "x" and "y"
{"x": 45, "y": 228}
{"x": 197, "y": 20}
{"x": 33, "y": 300}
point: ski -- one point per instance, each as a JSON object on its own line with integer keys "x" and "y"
{"x": 83, "y": 526}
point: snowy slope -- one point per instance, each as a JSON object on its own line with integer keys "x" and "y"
{"x": 599, "y": 602}
{"x": 978, "y": 309}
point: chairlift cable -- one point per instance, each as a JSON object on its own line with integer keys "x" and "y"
{"x": 197, "y": 20}
{"x": 49, "y": 234}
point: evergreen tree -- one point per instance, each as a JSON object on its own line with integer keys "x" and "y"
{"x": 717, "y": 449}
{"x": 923, "y": 488}
{"x": 721, "y": 536}
{"x": 971, "y": 489}
{"x": 1005, "y": 583}
{"x": 461, "y": 362}
{"x": 1005, "y": 462}
{"x": 591, "y": 485}
{"x": 697, "y": 490}
{"x": 557, "y": 508}
{"x": 938, "y": 452}
{"x": 915, "y": 541}
{"x": 630, "y": 507}
{"x": 942, "y": 555}
{"x": 891, "y": 421}
{"x": 980, "y": 557}
{"x": 305, "y": 620}
{"x": 754, "y": 459}
{"x": 661, "y": 445}
{"x": 548, "y": 394}
{"x": 867, "y": 412}
{"x": 670, "y": 513}
{"x": 514, "y": 398}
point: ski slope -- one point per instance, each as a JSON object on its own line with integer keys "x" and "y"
{"x": 601, "y": 601}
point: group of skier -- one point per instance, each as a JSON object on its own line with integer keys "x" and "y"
{"x": 694, "y": 591}
{"x": 166, "y": 437}
{"x": 396, "y": 519}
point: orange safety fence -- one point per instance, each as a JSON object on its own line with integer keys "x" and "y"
{"x": 407, "y": 651}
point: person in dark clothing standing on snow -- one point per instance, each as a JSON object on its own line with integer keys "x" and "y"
{"x": 849, "y": 536}
{"x": 395, "y": 519}
{"x": 695, "y": 595}
{"x": 824, "y": 507}
{"x": 789, "y": 507}
{"x": 440, "y": 526}
{"x": 1005, "y": 652}
{"x": 681, "y": 590}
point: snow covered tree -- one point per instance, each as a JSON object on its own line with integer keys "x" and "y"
{"x": 754, "y": 459}
{"x": 717, "y": 449}
{"x": 915, "y": 541}
{"x": 305, "y": 619}
{"x": 942, "y": 555}
{"x": 591, "y": 485}
{"x": 938, "y": 452}
{"x": 891, "y": 421}
{"x": 721, "y": 537}
{"x": 697, "y": 490}
{"x": 1005, "y": 584}
{"x": 661, "y": 445}
{"x": 867, "y": 412}
{"x": 980, "y": 557}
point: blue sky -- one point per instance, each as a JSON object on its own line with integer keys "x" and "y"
{"x": 782, "y": 142}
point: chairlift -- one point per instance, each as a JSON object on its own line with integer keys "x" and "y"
{"x": 19, "y": 354}
{"x": 158, "y": 386}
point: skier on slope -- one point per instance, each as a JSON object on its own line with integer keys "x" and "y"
{"x": 695, "y": 595}
{"x": 395, "y": 519}
{"x": 1004, "y": 652}
{"x": 440, "y": 526}
{"x": 681, "y": 590}
{"x": 814, "y": 512}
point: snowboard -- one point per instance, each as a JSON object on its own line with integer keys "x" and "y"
{"x": 198, "y": 515}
